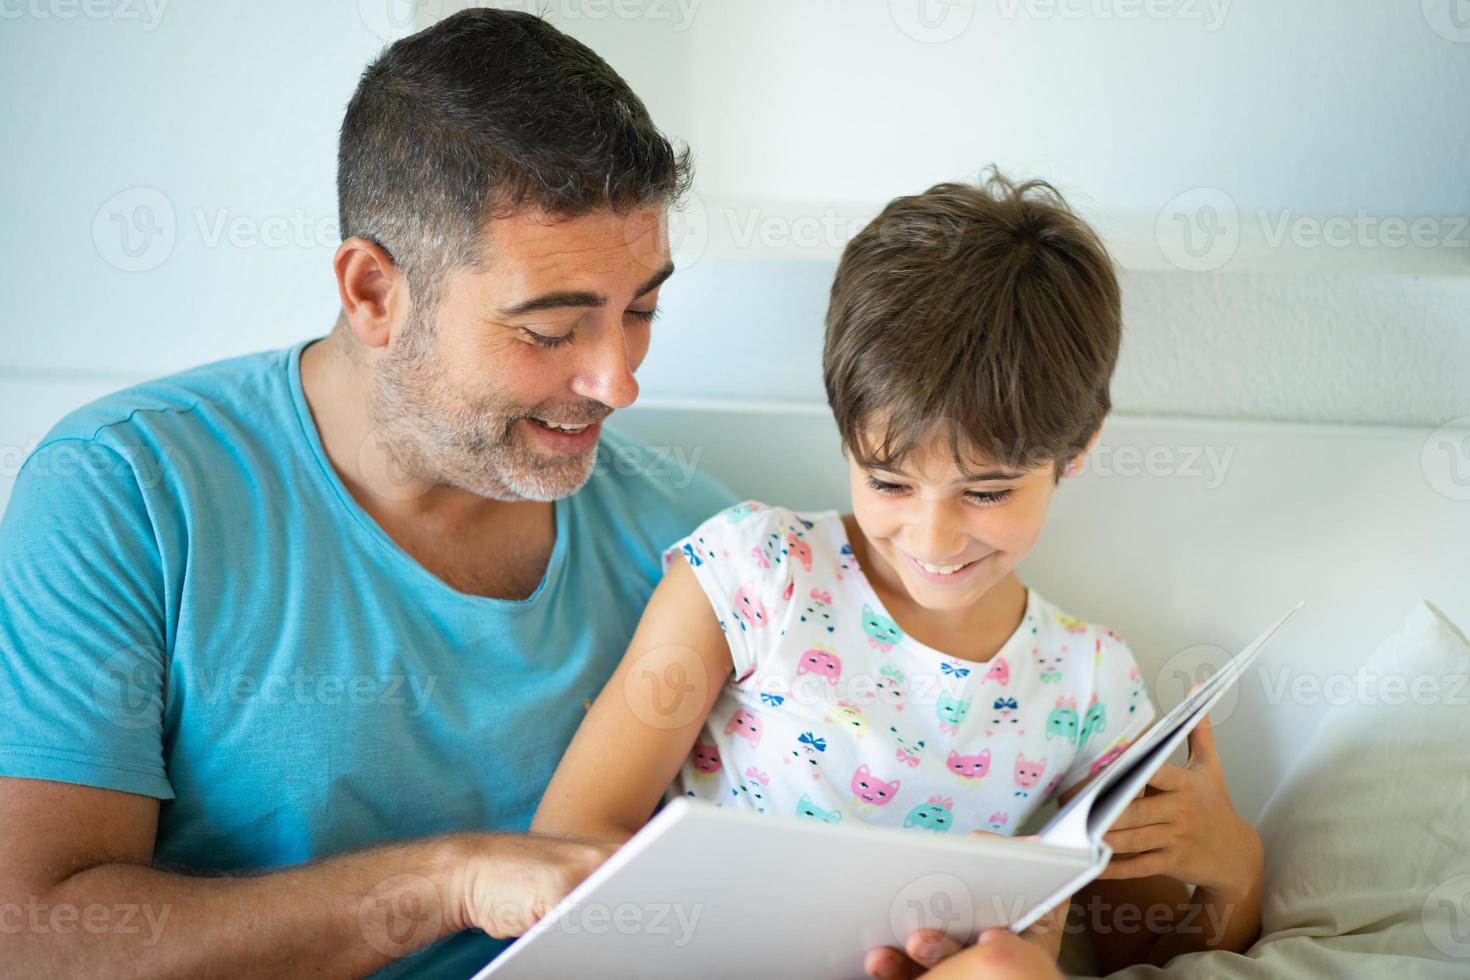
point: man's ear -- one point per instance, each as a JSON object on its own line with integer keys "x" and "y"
{"x": 373, "y": 292}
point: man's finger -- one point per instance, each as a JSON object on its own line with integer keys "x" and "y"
{"x": 928, "y": 947}
{"x": 888, "y": 963}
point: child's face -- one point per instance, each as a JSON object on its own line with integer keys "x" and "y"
{"x": 929, "y": 512}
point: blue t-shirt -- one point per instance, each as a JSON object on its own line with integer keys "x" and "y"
{"x": 194, "y": 608}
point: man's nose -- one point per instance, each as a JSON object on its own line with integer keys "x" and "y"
{"x": 606, "y": 372}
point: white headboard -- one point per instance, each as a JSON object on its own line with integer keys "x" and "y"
{"x": 1190, "y": 537}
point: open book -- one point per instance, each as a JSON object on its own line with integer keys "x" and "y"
{"x": 1083, "y": 821}
{"x": 713, "y": 891}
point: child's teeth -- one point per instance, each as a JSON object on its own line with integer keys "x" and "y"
{"x": 940, "y": 569}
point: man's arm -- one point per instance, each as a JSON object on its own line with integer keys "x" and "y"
{"x": 78, "y": 895}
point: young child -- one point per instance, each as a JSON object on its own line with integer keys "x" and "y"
{"x": 889, "y": 665}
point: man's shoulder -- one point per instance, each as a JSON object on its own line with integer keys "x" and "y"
{"x": 658, "y": 492}
{"x": 195, "y": 401}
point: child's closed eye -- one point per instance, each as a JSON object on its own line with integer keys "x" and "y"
{"x": 985, "y": 498}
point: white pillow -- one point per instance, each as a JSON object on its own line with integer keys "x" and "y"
{"x": 1368, "y": 837}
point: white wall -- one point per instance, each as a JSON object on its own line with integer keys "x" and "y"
{"x": 805, "y": 115}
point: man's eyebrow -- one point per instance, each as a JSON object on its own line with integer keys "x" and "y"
{"x": 997, "y": 474}
{"x": 578, "y": 298}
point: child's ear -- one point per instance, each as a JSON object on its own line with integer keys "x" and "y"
{"x": 1074, "y": 465}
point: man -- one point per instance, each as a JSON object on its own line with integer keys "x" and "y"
{"x": 282, "y": 639}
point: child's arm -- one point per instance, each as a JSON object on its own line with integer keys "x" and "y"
{"x": 643, "y": 724}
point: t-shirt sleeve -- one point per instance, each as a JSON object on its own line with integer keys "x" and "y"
{"x": 738, "y": 560}
{"x": 82, "y": 624}
{"x": 1119, "y": 711}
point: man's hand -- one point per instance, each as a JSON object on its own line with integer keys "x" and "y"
{"x": 510, "y": 881}
{"x": 999, "y": 955}
{"x": 927, "y": 948}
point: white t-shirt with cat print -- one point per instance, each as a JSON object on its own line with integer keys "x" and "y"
{"x": 832, "y": 713}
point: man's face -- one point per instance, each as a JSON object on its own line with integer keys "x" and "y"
{"x": 549, "y": 332}
{"x": 943, "y": 533}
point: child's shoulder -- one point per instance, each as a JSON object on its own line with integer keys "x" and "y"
{"x": 755, "y": 518}
{"x": 753, "y": 530}
{"x": 1053, "y": 625}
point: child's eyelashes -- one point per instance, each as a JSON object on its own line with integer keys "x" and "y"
{"x": 883, "y": 487}
{"x": 984, "y": 498}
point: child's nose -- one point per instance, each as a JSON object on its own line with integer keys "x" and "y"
{"x": 936, "y": 540}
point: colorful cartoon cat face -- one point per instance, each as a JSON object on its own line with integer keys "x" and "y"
{"x": 1071, "y": 623}
{"x": 912, "y": 746}
{"x": 872, "y": 790}
{"x": 1028, "y": 771}
{"x": 890, "y": 687}
{"x": 1093, "y": 722}
{"x": 821, "y": 661}
{"x": 706, "y": 757}
{"x": 1049, "y": 666}
{"x": 807, "y": 810}
{"x": 799, "y": 550}
{"x": 999, "y": 671}
{"x": 749, "y": 608}
{"x": 1004, "y": 715}
{"x": 1108, "y": 757}
{"x": 907, "y": 749}
{"x": 849, "y": 715}
{"x": 740, "y": 512}
{"x": 935, "y": 815}
{"x": 819, "y": 611}
{"x": 952, "y": 711}
{"x": 809, "y": 748}
{"x": 746, "y": 724}
{"x": 1062, "y": 721}
{"x": 969, "y": 766}
{"x": 1135, "y": 690}
{"x": 753, "y": 787}
{"x": 882, "y": 632}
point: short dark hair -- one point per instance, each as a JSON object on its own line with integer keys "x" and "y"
{"x": 481, "y": 115}
{"x": 991, "y": 308}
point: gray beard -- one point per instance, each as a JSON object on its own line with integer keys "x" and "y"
{"x": 474, "y": 447}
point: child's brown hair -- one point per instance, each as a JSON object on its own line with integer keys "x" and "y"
{"x": 992, "y": 309}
